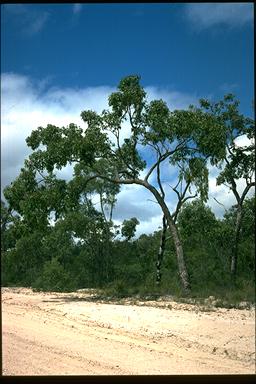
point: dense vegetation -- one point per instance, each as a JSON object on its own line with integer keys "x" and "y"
{"x": 53, "y": 238}
{"x": 55, "y": 261}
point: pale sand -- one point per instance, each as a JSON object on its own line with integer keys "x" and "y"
{"x": 68, "y": 334}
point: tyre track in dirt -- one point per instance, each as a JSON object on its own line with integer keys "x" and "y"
{"x": 46, "y": 334}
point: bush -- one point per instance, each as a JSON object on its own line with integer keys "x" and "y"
{"x": 117, "y": 288}
{"x": 54, "y": 278}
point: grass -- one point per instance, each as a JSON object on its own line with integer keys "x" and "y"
{"x": 240, "y": 295}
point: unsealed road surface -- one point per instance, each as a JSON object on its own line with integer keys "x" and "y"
{"x": 74, "y": 334}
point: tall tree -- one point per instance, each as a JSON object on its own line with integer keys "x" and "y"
{"x": 106, "y": 192}
{"x": 129, "y": 228}
{"x": 102, "y": 151}
{"x": 191, "y": 174}
{"x": 239, "y": 160}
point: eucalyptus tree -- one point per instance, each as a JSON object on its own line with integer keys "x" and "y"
{"x": 34, "y": 197}
{"x": 103, "y": 151}
{"x": 6, "y": 219}
{"x": 239, "y": 161}
{"x": 106, "y": 193}
{"x": 191, "y": 174}
{"x": 129, "y": 228}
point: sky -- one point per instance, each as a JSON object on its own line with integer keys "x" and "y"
{"x": 60, "y": 59}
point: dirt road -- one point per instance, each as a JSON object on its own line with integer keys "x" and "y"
{"x": 73, "y": 334}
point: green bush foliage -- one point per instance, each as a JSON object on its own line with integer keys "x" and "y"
{"x": 54, "y": 278}
{"x": 53, "y": 261}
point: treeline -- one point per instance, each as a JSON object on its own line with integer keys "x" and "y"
{"x": 54, "y": 259}
{"x": 54, "y": 238}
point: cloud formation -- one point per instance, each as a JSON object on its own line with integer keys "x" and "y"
{"x": 27, "y": 104}
{"x": 77, "y": 8}
{"x": 29, "y": 21}
{"x": 207, "y": 15}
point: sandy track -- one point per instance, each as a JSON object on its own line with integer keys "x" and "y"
{"x": 70, "y": 334}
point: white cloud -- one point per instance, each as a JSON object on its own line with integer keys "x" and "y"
{"x": 27, "y": 104}
{"x": 77, "y": 8}
{"x": 228, "y": 88}
{"x": 221, "y": 198}
{"x": 38, "y": 24}
{"x": 243, "y": 141}
{"x": 206, "y": 15}
{"x": 29, "y": 21}
{"x": 135, "y": 201}
{"x": 24, "y": 107}
{"x": 174, "y": 99}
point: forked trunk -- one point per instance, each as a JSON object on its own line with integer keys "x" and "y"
{"x": 180, "y": 256}
{"x": 174, "y": 233}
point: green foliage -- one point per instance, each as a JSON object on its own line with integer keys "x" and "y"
{"x": 54, "y": 278}
{"x": 239, "y": 161}
{"x": 7, "y": 234}
{"x": 207, "y": 244}
{"x": 22, "y": 264}
{"x": 129, "y": 228}
{"x": 80, "y": 249}
{"x": 55, "y": 262}
{"x": 117, "y": 288}
{"x": 130, "y": 94}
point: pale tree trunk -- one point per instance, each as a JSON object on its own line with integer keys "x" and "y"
{"x": 106, "y": 253}
{"x": 161, "y": 252}
{"x": 182, "y": 199}
{"x": 180, "y": 256}
{"x": 240, "y": 200}
{"x": 174, "y": 233}
{"x": 236, "y": 241}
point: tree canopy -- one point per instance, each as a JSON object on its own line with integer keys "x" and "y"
{"x": 112, "y": 149}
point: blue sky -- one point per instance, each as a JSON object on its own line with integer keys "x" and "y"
{"x": 97, "y": 44}
{"x": 56, "y": 56}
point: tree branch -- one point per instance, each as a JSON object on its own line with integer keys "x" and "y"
{"x": 233, "y": 187}
{"x": 181, "y": 199}
{"x": 214, "y": 198}
{"x": 159, "y": 181}
{"x": 162, "y": 158}
{"x": 248, "y": 186}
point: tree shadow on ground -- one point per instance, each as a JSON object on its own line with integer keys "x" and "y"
{"x": 99, "y": 298}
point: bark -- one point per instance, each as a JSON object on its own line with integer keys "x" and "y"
{"x": 236, "y": 241}
{"x": 106, "y": 238}
{"x": 180, "y": 256}
{"x": 240, "y": 200}
{"x": 174, "y": 233}
{"x": 161, "y": 252}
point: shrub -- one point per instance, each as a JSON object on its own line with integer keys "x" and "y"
{"x": 117, "y": 288}
{"x": 54, "y": 278}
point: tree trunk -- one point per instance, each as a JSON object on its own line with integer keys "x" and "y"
{"x": 236, "y": 241}
{"x": 161, "y": 252}
{"x": 174, "y": 233}
{"x": 180, "y": 256}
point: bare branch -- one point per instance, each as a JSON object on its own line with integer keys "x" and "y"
{"x": 189, "y": 197}
{"x": 162, "y": 158}
{"x": 152, "y": 201}
{"x": 214, "y": 198}
{"x": 116, "y": 180}
{"x": 181, "y": 200}
{"x": 175, "y": 189}
{"x": 246, "y": 191}
{"x": 233, "y": 184}
{"x": 159, "y": 181}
